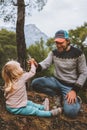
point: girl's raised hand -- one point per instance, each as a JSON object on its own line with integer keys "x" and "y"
{"x": 32, "y": 61}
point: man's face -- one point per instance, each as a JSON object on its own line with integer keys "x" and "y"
{"x": 62, "y": 46}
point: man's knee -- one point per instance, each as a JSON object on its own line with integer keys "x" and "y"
{"x": 36, "y": 82}
{"x": 70, "y": 113}
{"x": 39, "y": 85}
{"x": 71, "y": 110}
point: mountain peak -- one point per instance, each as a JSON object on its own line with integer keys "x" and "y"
{"x": 32, "y": 33}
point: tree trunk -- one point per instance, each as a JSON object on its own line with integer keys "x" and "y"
{"x": 20, "y": 37}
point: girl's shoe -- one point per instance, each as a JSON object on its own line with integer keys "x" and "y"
{"x": 46, "y": 104}
{"x": 56, "y": 111}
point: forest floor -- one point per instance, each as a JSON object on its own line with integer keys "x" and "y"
{"x": 61, "y": 122}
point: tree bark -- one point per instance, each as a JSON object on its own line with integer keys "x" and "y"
{"x": 20, "y": 36}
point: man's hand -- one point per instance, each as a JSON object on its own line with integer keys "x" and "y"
{"x": 71, "y": 97}
{"x": 32, "y": 61}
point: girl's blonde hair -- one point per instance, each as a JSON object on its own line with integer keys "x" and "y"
{"x": 10, "y": 73}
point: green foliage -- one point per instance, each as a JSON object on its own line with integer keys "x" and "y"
{"x": 8, "y": 48}
{"x": 7, "y": 45}
{"x": 39, "y": 52}
{"x": 50, "y": 43}
{"x": 10, "y": 52}
{"x": 78, "y": 35}
{"x": 7, "y": 38}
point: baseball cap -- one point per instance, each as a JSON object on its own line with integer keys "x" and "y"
{"x": 61, "y": 35}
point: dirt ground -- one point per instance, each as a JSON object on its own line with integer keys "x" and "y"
{"x": 17, "y": 122}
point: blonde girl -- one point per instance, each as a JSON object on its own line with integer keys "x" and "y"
{"x": 16, "y": 95}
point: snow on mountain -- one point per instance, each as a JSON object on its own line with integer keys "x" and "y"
{"x": 32, "y": 34}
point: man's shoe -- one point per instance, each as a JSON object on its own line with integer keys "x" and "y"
{"x": 79, "y": 99}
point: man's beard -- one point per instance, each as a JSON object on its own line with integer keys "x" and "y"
{"x": 64, "y": 49}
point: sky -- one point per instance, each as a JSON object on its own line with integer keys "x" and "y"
{"x": 58, "y": 14}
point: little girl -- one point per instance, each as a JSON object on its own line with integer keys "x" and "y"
{"x": 16, "y": 95}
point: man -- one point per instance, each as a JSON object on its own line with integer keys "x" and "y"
{"x": 70, "y": 73}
